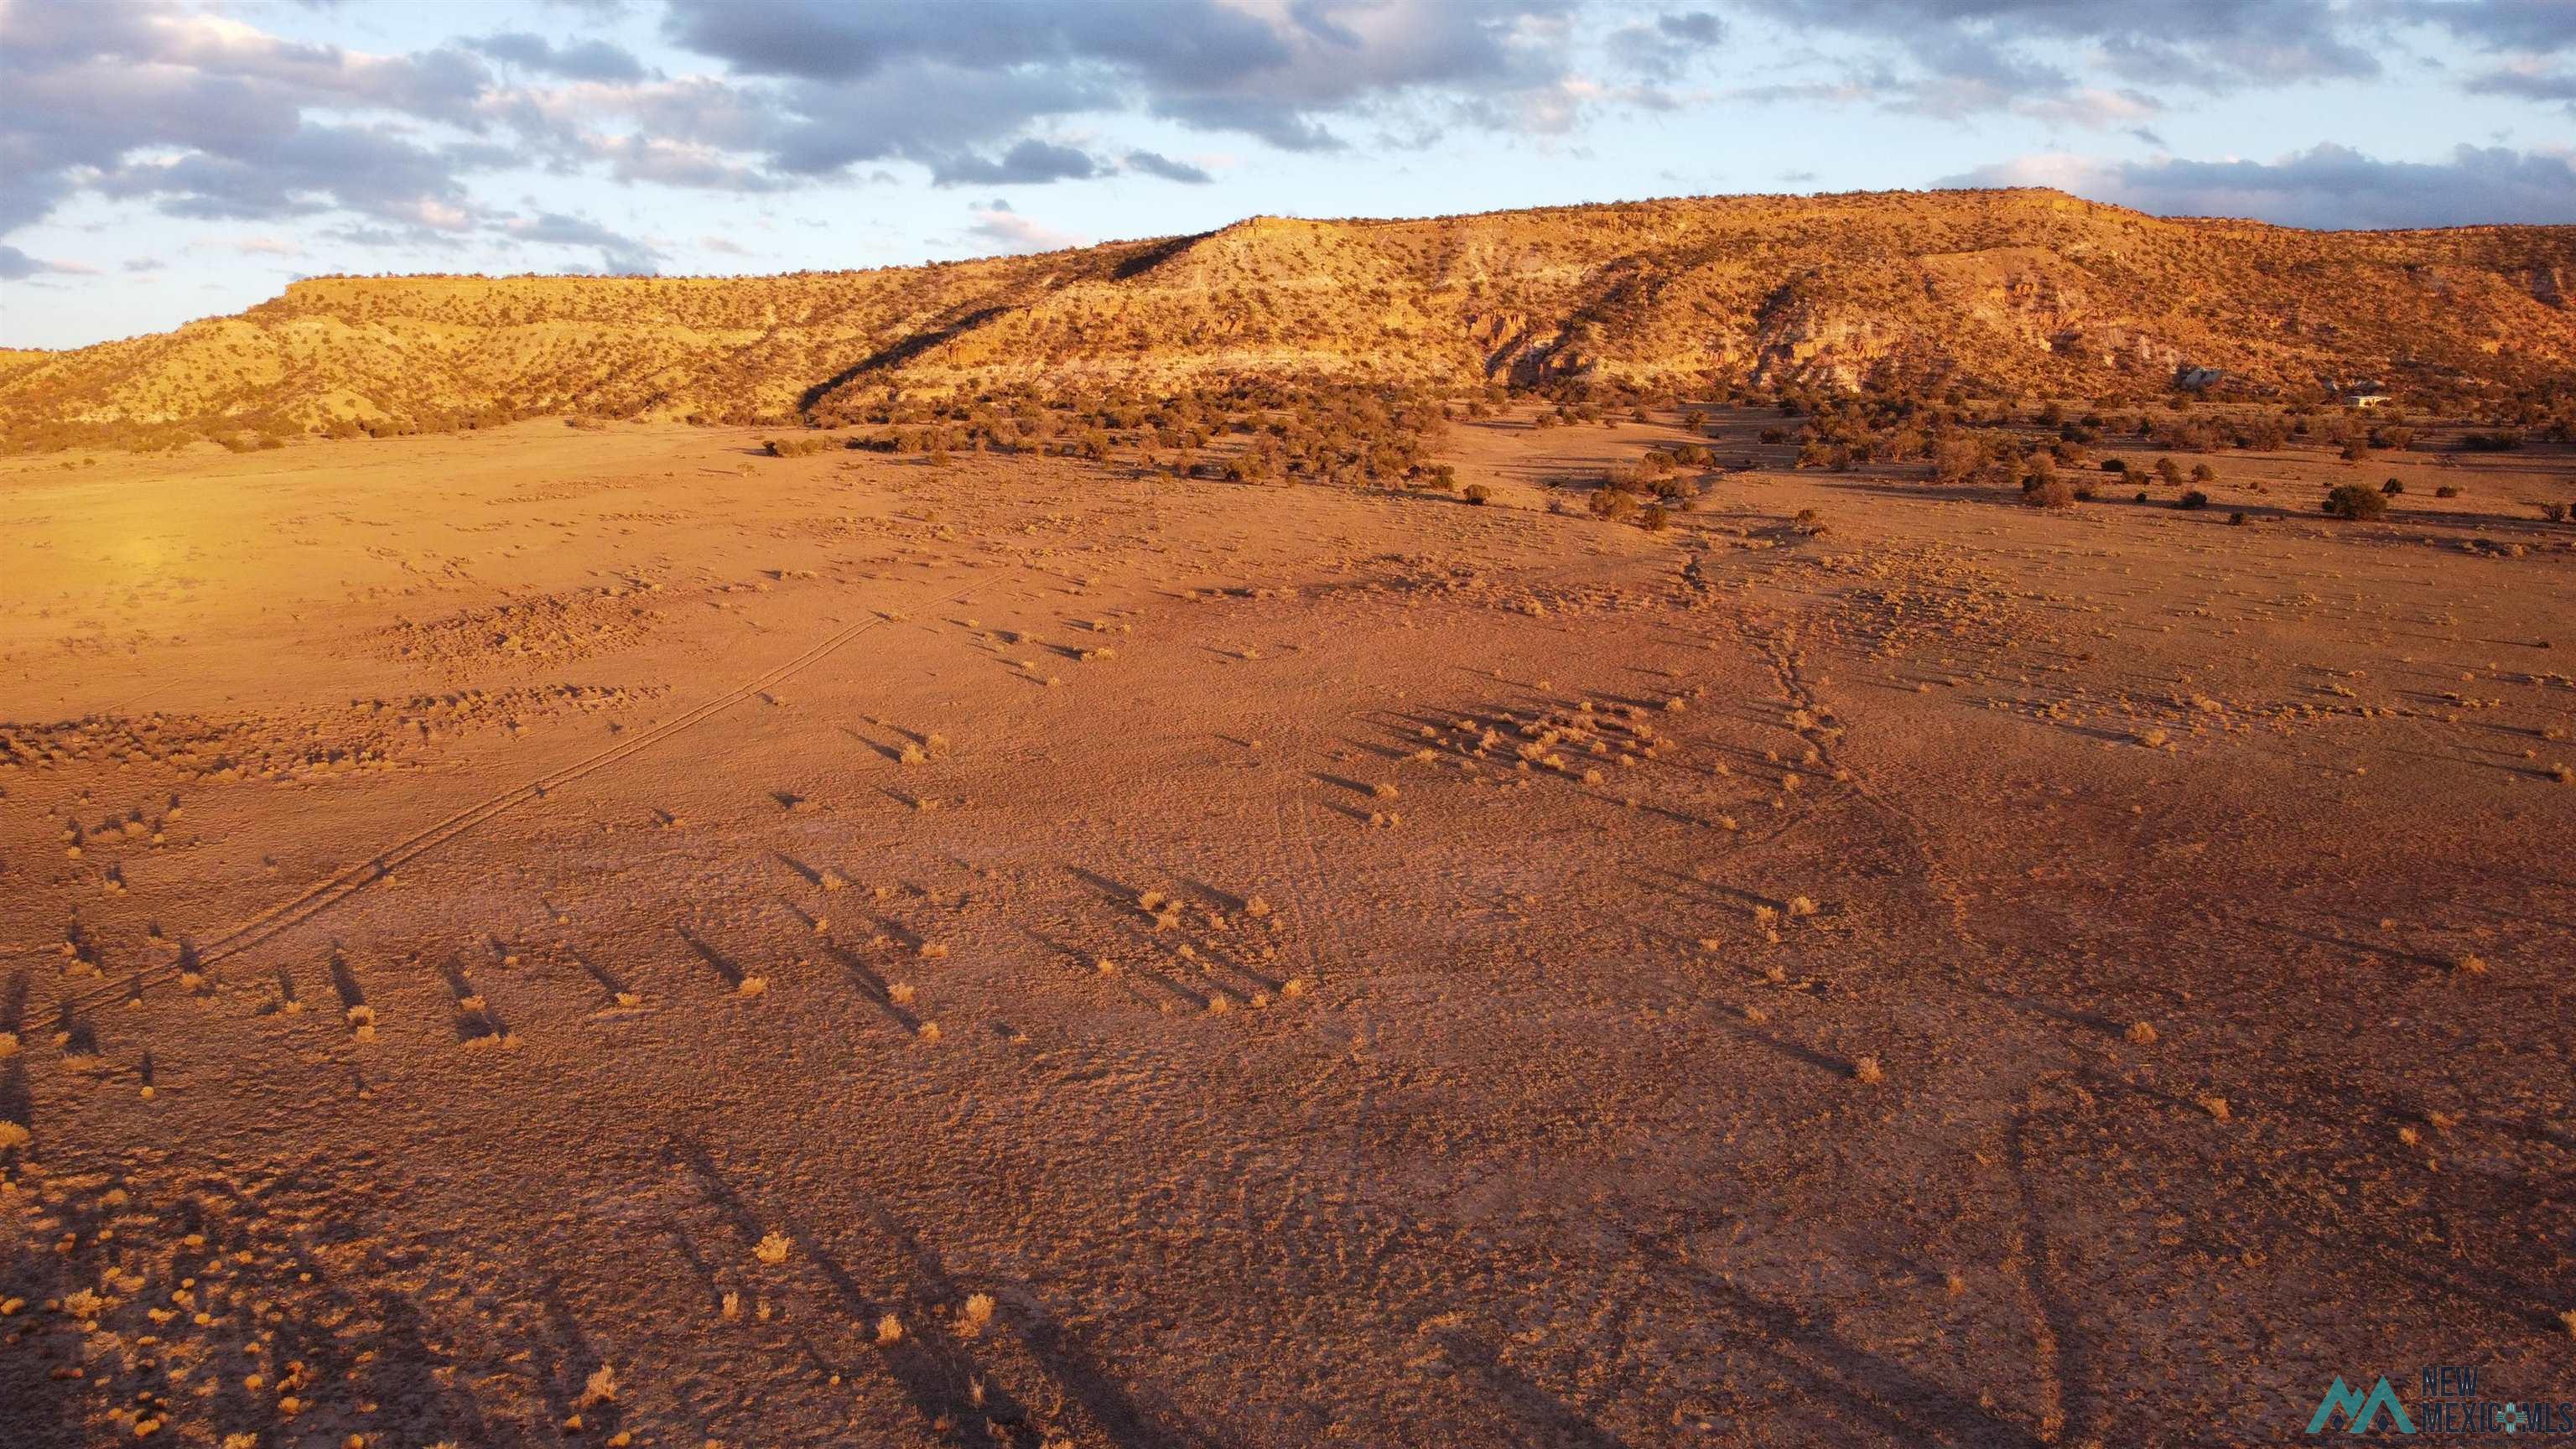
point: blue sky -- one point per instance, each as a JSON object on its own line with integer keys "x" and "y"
{"x": 168, "y": 159}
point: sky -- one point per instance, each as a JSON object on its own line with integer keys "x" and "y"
{"x": 162, "y": 160}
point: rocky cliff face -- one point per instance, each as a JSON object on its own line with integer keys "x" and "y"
{"x": 2019, "y": 289}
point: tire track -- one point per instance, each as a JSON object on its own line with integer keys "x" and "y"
{"x": 320, "y": 897}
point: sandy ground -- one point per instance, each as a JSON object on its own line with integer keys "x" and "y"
{"x": 554, "y": 936}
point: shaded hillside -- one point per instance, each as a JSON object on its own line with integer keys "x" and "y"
{"x": 2014, "y": 289}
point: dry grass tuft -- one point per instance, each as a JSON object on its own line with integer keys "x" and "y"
{"x": 889, "y": 1331}
{"x": 975, "y": 1316}
{"x": 601, "y": 1388}
{"x": 2143, "y": 1033}
{"x": 2470, "y": 965}
{"x": 14, "y": 1134}
{"x": 1867, "y": 1072}
{"x": 2215, "y": 1106}
{"x": 752, "y": 986}
{"x": 772, "y": 1249}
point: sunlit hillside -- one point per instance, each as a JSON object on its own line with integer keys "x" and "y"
{"x": 2007, "y": 289}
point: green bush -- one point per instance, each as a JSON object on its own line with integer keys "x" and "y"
{"x": 2356, "y": 501}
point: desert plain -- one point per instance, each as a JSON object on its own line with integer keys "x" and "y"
{"x": 603, "y": 935}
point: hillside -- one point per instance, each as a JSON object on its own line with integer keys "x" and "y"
{"x": 2013, "y": 289}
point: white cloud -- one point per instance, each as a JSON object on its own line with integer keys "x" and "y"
{"x": 1009, "y": 231}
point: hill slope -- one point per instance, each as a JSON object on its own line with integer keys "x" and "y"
{"x": 2011, "y": 288}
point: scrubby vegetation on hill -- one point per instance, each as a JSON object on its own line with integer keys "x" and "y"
{"x": 1892, "y": 294}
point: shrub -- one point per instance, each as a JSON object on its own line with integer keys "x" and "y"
{"x": 2490, "y": 442}
{"x": 2447, "y": 490}
{"x": 2356, "y": 501}
{"x": 2392, "y": 487}
{"x": 2236, "y": 519}
{"x": 2554, "y": 512}
{"x": 1608, "y": 502}
{"x": 2193, "y": 499}
{"x": 1957, "y": 459}
{"x": 2263, "y": 435}
{"x": 1477, "y": 493}
{"x": 1654, "y": 519}
{"x": 797, "y": 447}
{"x": 2049, "y": 492}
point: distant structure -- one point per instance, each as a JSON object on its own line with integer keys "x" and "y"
{"x": 2199, "y": 379}
{"x": 2366, "y": 397}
